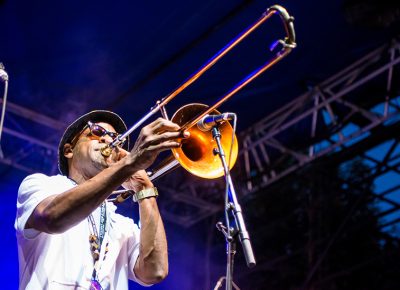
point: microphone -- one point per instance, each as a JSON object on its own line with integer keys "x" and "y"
{"x": 3, "y": 73}
{"x": 209, "y": 121}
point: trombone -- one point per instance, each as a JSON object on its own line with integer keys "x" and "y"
{"x": 193, "y": 154}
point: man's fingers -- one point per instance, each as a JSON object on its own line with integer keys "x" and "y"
{"x": 164, "y": 146}
{"x": 166, "y": 136}
{"x": 185, "y": 134}
{"x": 121, "y": 153}
{"x": 158, "y": 136}
{"x": 161, "y": 125}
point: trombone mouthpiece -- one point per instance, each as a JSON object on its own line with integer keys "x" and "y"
{"x": 106, "y": 151}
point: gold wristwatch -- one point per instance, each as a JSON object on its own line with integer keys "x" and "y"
{"x": 145, "y": 193}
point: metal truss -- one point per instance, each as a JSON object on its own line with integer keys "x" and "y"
{"x": 386, "y": 167}
{"x": 331, "y": 116}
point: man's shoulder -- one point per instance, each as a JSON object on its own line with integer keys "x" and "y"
{"x": 43, "y": 177}
{"x": 39, "y": 180}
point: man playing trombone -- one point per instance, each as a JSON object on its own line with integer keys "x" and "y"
{"x": 69, "y": 236}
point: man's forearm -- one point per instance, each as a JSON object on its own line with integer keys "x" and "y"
{"x": 58, "y": 213}
{"x": 152, "y": 264}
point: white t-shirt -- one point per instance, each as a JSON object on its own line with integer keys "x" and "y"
{"x": 64, "y": 261}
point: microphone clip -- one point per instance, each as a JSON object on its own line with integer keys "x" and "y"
{"x": 209, "y": 121}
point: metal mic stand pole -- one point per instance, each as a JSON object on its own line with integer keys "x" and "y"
{"x": 233, "y": 207}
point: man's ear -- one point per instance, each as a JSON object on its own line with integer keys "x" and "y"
{"x": 68, "y": 153}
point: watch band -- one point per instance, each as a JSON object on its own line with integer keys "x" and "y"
{"x": 145, "y": 193}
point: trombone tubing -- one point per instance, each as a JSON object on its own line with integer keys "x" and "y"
{"x": 237, "y": 88}
{"x": 288, "y": 46}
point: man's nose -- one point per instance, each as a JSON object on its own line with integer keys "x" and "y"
{"x": 106, "y": 139}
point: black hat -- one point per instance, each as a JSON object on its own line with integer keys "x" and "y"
{"x": 77, "y": 126}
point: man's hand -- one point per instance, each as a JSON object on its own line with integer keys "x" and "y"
{"x": 138, "y": 181}
{"x": 158, "y": 136}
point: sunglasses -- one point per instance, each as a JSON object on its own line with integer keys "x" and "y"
{"x": 98, "y": 131}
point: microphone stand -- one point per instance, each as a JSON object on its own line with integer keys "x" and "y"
{"x": 233, "y": 207}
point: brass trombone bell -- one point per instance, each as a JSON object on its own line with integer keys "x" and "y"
{"x": 196, "y": 154}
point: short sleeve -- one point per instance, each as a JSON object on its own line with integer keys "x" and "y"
{"x": 33, "y": 189}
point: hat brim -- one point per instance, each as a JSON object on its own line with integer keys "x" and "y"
{"x": 73, "y": 129}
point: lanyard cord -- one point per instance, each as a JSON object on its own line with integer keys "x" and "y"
{"x": 103, "y": 220}
{"x": 96, "y": 241}
{"x": 96, "y": 238}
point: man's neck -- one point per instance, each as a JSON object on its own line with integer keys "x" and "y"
{"x": 75, "y": 176}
